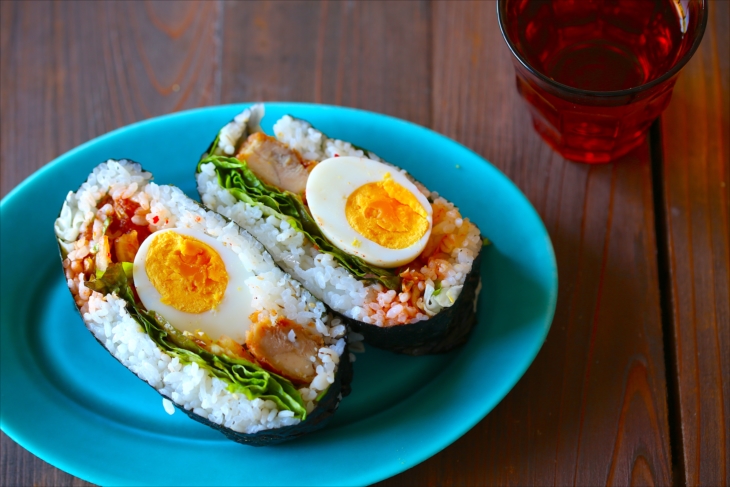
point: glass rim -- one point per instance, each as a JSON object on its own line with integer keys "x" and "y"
{"x": 600, "y": 94}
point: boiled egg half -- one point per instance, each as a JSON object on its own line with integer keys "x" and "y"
{"x": 194, "y": 282}
{"x": 369, "y": 209}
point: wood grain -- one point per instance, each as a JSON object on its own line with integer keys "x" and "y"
{"x": 695, "y": 173}
{"x": 74, "y": 70}
{"x": 371, "y": 55}
{"x": 592, "y": 408}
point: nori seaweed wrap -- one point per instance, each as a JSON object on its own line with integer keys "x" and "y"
{"x": 196, "y": 307}
{"x": 395, "y": 261}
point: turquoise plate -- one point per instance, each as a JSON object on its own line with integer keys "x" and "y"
{"x": 66, "y": 400}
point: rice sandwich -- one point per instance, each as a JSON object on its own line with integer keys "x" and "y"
{"x": 396, "y": 261}
{"x": 197, "y": 308}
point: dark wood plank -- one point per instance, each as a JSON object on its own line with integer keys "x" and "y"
{"x": 592, "y": 409}
{"x": 696, "y": 175}
{"x": 71, "y": 71}
{"x": 369, "y": 55}
{"x": 74, "y": 70}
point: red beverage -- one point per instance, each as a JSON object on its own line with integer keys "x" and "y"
{"x": 597, "y": 73}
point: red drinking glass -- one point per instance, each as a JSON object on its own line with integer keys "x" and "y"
{"x": 596, "y": 73}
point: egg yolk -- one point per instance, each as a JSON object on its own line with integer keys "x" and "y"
{"x": 189, "y": 275}
{"x": 387, "y": 213}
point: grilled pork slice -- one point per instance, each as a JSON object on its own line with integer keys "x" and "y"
{"x": 285, "y": 348}
{"x": 275, "y": 163}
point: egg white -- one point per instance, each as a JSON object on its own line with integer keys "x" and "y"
{"x": 229, "y": 318}
{"x": 330, "y": 184}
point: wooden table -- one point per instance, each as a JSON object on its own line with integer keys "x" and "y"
{"x": 633, "y": 383}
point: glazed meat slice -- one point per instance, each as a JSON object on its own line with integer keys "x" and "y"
{"x": 275, "y": 163}
{"x": 285, "y": 348}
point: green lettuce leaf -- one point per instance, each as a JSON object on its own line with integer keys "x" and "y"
{"x": 437, "y": 288}
{"x": 242, "y": 376}
{"x": 243, "y": 184}
{"x": 214, "y": 146}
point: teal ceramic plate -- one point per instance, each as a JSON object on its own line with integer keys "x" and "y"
{"x": 66, "y": 400}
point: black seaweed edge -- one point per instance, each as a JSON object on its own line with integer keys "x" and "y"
{"x": 447, "y": 334}
{"x": 316, "y": 420}
{"x": 441, "y": 333}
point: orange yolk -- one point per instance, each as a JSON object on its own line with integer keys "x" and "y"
{"x": 387, "y": 213}
{"x": 189, "y": 275}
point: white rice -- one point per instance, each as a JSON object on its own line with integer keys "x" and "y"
{"x": 313, "y": 144}
{"x": 187, "y": 385}
{"x": 319, "y": 272}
